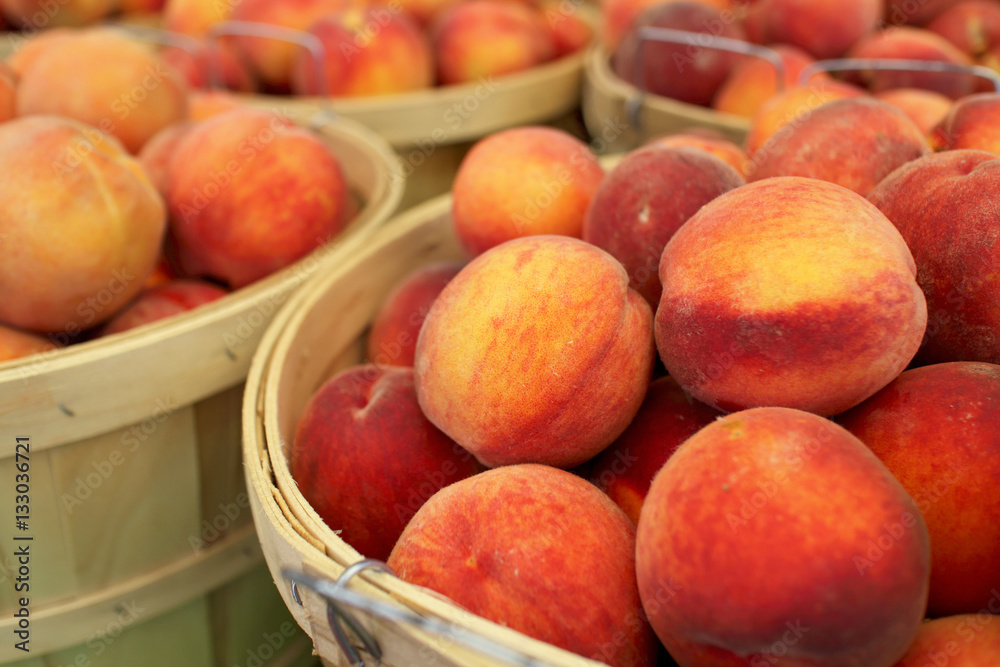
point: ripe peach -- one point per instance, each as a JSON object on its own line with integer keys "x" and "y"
{"x": 161, "y": 302}
{"x": 367, "y": 52}
{"x": 813, "y": 305}
{"x": 248, "y": 194}
{"x": 937, "y": 429}
{"x": 924, "y": 107}
{"x": 156, "y": 153}
{"x": 195, "y": 17}
{"x": 965, "y": 640}
{"x": 29, "y": 49}
{"x": 707, "y": 140}
{"x": 538, "y": 550}
{"x": 393, "y": 335}
{"x": 424, "y": 12}
{"x": 8, "y": 92}
{"x": 477, "y": 39}
{"x": 972, "y": 25}
{"x": 753, "y": 81}
{"x": 82, "y": 225}
{"x": 901, "y": 42}
{"x": 787, "y": 107}
{"x": 536, "y": 352}
{"x": 645, "y": 199}
{"x": 775, "y": 537}
{"x": 568, "y": 31}
{"x": 618, "y": 15}
{"x": 908, "y": 12}
{"x": 40, "y": 15}
{"x": 684, "y": 72}
{"x": 666, "y": 419}
{"x": 271, "y": 59}
{"x": 15, "y": 344}
{"x": 203, "y": 104}
{"x": 194, "y": 64}
{"x": 120, "y": 87}
{"x": 520, "y": 182}
{"x": 944, "y": 205}
{"x": 367, "y": 459}
{"x": 795, "y": 22}
{"x": 853, "y": 142}
{"x": 971, "y": 123}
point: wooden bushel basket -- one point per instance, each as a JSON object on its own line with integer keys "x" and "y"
{"x": 142, "y": 548}
{"x": 323, "y": 331}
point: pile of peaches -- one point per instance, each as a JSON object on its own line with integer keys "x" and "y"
{"x": 950, "y": 33}
{"x": 696, "y": 409}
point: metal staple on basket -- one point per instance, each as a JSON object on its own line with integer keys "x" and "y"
{"x": 338, "y": 597}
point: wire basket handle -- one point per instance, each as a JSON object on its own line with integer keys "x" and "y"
{"x": 901, "y": 65}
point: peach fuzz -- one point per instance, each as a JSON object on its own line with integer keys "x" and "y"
{"x": 392, "y": 338}
{"x": 521, "y": 182}
{"x": 120, "y": 87}
{"x": 366, "y": 52}
{"x": 787, "y": 107}
{"x": 665, "y": 420}
{"x": 972, "y": 122}
{"x": 924, "y": 107}
{"x": 15, "y": 344}
{"x": 645, "y": 199}
{"x": 536, "y": 352}
{"x": 937, "y": 429}
{"x": 163, "y": 301}
{"x": 477, "y": 39}
{"x": 366, "y": 459}
{"x": 854, "y": 143}
{"x": 945, "y": 205}
{"x": 812, "y": 302}
{"x": 797, "y": 22}
{"x": 249, "y": 193}
{"x": 538, "y": 550}
{"x": 753, "y": 81}
{"x": 270, "y": 59}
{"x": 965, "y": 640}
{"x": 82, "y": 225}
{"x": 780, "y": 539}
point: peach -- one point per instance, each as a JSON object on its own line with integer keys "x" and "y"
{"x": 645, "y": 199}
{"x": 569, "y": 32}
{"x": 775, "y": 537}
{"x": 15, "y": 344}
{"x": 618, "y": 15}
{"x": 8, "y": 92}
{"x": 666, "y": 419}
{"x": 162, "y": 274}
{"x": 965, "y": 640}
{"x": 156, "y": 154}
{"x": 195, "y": 17}
{"x": 795, "y": 22}
{"x": 194, "y": 65}
{"x": 924, "y": 107}
{"x": 536, "y": 352}
{"x": 271, "y": 59}
{"x": 140, "y": 6}
{"x": 937, "y": 429}
{"x": 754, "y": 81}
{"x": 366, "y": 52}
{"x": 249, "y": 194}
{"x": 944, "y": 205}
{"x": 538, "y": 550}
{"x": 708, "y": 140}
{"x": 787, "y": 107}
{"x": 203, "y": 104}
{"x": 901, "y": 42}
{"x": 393, "y": 335}
{"x": 82, "y": 225}
{"x": 477, "y": 39}
{"x": 521, "y": 182}
{"x": 161, "y": 302}
{"x": 971, "y": 123}
{"x": 684, "y": 72}
{"x": 972, "y": 25}
{"x": 40, "y": 15}
{"x": 789, "y": 292}
{"x": 120, "y": 87}
{"x": 900, "y": 12}
{"x": 28, "y": 50}
{"x": 853, "y": 142}
{"x": 424, "y": 12}
{"x": 367, "y": 459}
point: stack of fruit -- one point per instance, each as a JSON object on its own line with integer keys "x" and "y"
{"x": 742, "y": 417}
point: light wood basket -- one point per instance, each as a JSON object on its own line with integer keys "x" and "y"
{"x": 323, "y": 331}
{"x": 137, "y": 495}
{"x": 626, "y": 117}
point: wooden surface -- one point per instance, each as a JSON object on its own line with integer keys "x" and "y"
{"x": 321, "y": 331}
